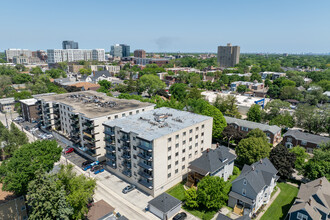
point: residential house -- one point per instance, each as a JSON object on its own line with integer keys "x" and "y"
{"x": 7, "y": 105}
{"x": 312, "y": 202}
{"x": 273, "y": 132}
{"x": 84, "y": 86}
{"x": 309, "y": 141}
{"x": 164, "y": 206}
{"x": 96, "y": 76}
{"x": 213, "y": 162}
{"x": 100, "y": 210}
{"x": 13, "y": 209}
{"x": 224, "y": 217}
{"x": 253, "y": 187}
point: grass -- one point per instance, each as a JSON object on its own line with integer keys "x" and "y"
{"x": 177, "y": 191}
{"x": 202, "y": 214}
{"x": 280, "y": 207}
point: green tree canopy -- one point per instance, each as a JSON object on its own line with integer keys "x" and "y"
{"x": 20, "y": 169}
{"x": 179, "y": 91}
{"x": 283, "y": 160}
{"x": 254, "y": 113}
{"x": 301, "y": 156}
{"x": 191, "y": 198}
{"x": 151, "y": 83}
{"x": 227, "y": 105}
{"x": 47, "y": 201}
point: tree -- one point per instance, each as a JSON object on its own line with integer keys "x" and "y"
{"x": 257, "y": 133}
{"x": 22, "y": 95}
{"x": 63, "y": 65}
{"x": 227, "y": 105}
{"x": 191, "y": 198}
{"x": 211, "y": 193}
{"x": 251, "y": 150}
{"x": 301, "y": 157}
{"x": 36, "y": 71}
{"x": 162, "y": 92}
{"x": 13, "y": 138}
{"x": 241, "y": 89}
{"x": 21, "y": 78}
{"x": 274, "y": 108}
{"x": 79, "y": 190}
{"x": 151, "y": 84}
{"x": 20, "y": 169}
{"x": 255, "y": 76}
{"x": 5, "y": 85}
{"x": 179, "y": 91}
{"x": 46, "y": 200}
{"x": 290, "y": 92}
{"x": 284, "y": 120}
{"x": 283, "y": 160}
{"x": 84, "y": 71}
{"x": 231, "y": 133}
{"x": 254, "y": 113}
{"x": 194, "y": 93}
{"x": 56, "y": 73}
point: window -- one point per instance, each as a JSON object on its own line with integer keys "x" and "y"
{"x": 302, "y": 216}
{"x": 118, "y": 141}
{"x": 177, "y": 170}
{"x": 243, "y": 192}
{"x": 190, "y": 131}
{"x": 116, "y": 116}
{"x": 183, "y": 167}
{"x": 23, "y": 208}
{"x": 196, "y": 152}
{"x": 184, "y": 133}
{"x": 190, "y": 139}
{"x": 134, "y": 138}
{"x": 189, "y": 155}
{"x": 135, "y": 173}
{"x": 109, "y": 118}
{"x": 190, "y": 147}
{"x": 303, "y": 143}
{"x": 169, "y": 157}
{"x": 137, "y": 111}
{"x": 183, "y": 142}
{"x": 130, "y": 113}
{"x": 169, "y": 148}
{"x": 177, "y": 154}
{"x": 177, "y": 136}
{"x": 197, "y": 128}
{"x": 176, "y": 145}
{"x": 183, "y": 151}
{"x": 169, "y": 139}
{"x": 123, "y": 115}
{"x": 196, "y": 144}
{"x": 176, "y": 162}
{"x": 244, "y": 182}
{"x": 202, "y": 141}
{"x": 169, "y": 166}
{"x": 244, "y": 129}
{"x": 202, "y": 149}
{"x": 134, "y": 156}
{"x": 134, "y": 147}
{"x": 265, "y": 195}
{"x": 196, "y": 137}
{"x": 289, "y": 139}
{"x": 183, "y": 159}
{"x": 143, "y": 109}
{"x": 168, "y": 175}
{"x": 202, "y": 126}
{"x": 202, "y": 134}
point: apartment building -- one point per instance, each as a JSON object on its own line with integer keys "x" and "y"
{"x": 273, "y": 132}
{"x": 69, "y": 44}
{"x": 29, "y": 110}
{"x": 72, "y": 55}
{"x": 78, "y": 118}
{"x": 228, "y": 56}
{"x": 152, "y": 150}
{"x": 140, "y": 53}
{"x": 11, "y": 53}
{"x": 120, "y": 50}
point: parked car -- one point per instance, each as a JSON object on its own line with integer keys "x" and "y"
{"x": 49, "y": 136}
{"x": 19, "y": 118}
{"x": 98, "y": 169}
{"x": 90, "y": 165}
{"x": 180, "y": 216}
{"x": 85, "y": 163}
{"x": 68, "y": 150}
{"x": 128, "y": 188}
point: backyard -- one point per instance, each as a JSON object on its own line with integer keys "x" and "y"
{"x": 283, "y": 202}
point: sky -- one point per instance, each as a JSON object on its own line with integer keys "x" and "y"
{"x": 263, "y": 26}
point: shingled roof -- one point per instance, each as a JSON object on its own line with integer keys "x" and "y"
{"x": 312, "y": 138}
{"x": 165, "y": 202}
{"x": 212, "y": 160}
{"x": 258, "y": 175}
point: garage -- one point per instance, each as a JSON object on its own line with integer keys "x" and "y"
{"x": 164, "y": 206}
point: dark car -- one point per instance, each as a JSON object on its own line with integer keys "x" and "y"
{"x": 98, "y": 169}
{"x": 180, "y": 216}
{"x": 85, "y": 163}
{"x": 128, "y": 188}
{"x": 95, "y": 167}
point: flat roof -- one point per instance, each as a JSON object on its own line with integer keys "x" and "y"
{"x": 156, "y": 123}
{"x": 95, "y": 104}
{"x": 7, "y": 101}
{"x": 29, "y": 101}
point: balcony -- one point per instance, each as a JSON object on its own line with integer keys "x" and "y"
{"x": 145, "y": 156}
{"x": 91, "y": 153}
{"x": 110, "y": 156}
{"x": 127, "y": 149}
{"x": 126, "y": 157}
{"x": 90, "y": 146}
{"x": 145, "y": 175}
{"x": 111, "y": 133}
{"x": 88, "y": 124}
{"x": 127, "y": 173}
{"x": 126, "y": 164}
{"x": 145, "y": 148}
{"x": 145, "y": 166}
{"x": 125, "y": 139}
{"x": 110, "y": 148}
{"x": 143, "y": 182}
{"x": 75, "y": 125}
{"x": 109, "y": 140}
{"x": 112, "y": 164}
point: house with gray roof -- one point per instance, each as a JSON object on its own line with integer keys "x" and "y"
{"x": 213, "y": 162}
{"x": 273, "y": 132}
{"x": 164, "y": 206}
{"x": 253, "y": 187}
{"x": 312, "y": 202}
{"x": 309, "y": 141}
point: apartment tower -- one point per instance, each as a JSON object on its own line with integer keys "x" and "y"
{"x": 228, "y": 56}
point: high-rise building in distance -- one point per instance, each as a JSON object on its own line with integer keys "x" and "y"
{"x": 228, "y": 56}
{"x": 140, "y": 53}
{"x": 72, "y": 55}
{"x": 69, "y": 44}
{"x": 120, "y": 50}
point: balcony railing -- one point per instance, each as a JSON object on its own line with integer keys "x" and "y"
{"x": 125, "y": 139}
{"x": 111, "y": 156}
{"x": 125, "y": 164}
{"x": 127, "y": 149}
{"x": 145, "y": 175}
{"x": 111, "y": 133}
{"x": 145, "y": 148}
{"x": 143, "y": 182}
{"x": 145, "y": 156}
{"x": 145, "y": 166}
{"x": 112, "y": 164}
{"x": 110, "y": 148}
{"x": 126, "y": 157}
{"x": 127, "y": 173}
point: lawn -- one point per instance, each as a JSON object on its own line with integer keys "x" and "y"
{"x": 280, "y": 207}
{"x": 177, "y": 191}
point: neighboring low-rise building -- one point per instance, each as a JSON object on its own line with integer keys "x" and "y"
{"x": 272, "y": 75}
{"x": 312, "y": 201}
{"x": 29, "y": 109}
{"x": 14, "y": 209}
{"x": 249, "y": 85}
{"x": 152, "y": 150}
{"x": 164, "y": 206}
{"x": 213, "y": 162}
{"x": 253, "y": 187}
{"x": 309, "y": 141}
{"x": 7, "y": 105}
{"x": 78, "y": 116}
{"x": 273, "y": 132}
{"x": 101, "y": 210}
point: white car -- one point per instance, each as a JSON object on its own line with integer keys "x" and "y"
{"x": 19, "y": 118}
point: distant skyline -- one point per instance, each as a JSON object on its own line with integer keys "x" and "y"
{"x": 257, "y": 26}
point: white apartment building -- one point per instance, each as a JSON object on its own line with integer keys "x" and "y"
{"x": 78, "y": 117}
{"x": 71, "y": 55}
{"x": 11, "y": 53}
{"x": 152, "y": 150}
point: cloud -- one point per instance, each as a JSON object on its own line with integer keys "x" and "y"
{"x": 166, "y": 43}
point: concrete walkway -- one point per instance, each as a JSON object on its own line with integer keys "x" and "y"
{"x": 268, "y": 204}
